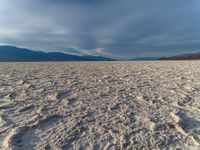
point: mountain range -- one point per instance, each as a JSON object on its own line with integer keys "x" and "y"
{"x": 190, "y": 56}
{"x": 11, "y": 53}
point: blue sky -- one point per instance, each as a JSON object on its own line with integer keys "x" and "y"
{"x": 115, "y": 28}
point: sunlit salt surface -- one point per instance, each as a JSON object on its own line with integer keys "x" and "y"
{"x": 100, "y": 105}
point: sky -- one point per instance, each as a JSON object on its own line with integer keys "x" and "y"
{"x": 120, "y": 29}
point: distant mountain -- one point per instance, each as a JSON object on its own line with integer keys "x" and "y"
{"x": 144, "y": 59}
{"x": 11, "y": 53}
{"x": 190, "y": 56}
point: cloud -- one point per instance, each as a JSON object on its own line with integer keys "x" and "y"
{"x": 117, "y": 28}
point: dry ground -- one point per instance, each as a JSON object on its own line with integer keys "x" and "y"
{"x": 100, "y": 105}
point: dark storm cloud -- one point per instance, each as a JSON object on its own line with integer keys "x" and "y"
{"x": 118, "y": 28}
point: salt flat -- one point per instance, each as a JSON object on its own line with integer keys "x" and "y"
{"x": 100, "y": 105}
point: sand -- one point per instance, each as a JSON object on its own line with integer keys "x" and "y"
{"x": 100, "y": 105}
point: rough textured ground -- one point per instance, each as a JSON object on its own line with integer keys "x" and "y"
{"x": 100, "y": 105}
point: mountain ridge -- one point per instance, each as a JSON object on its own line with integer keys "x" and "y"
{"x": 189, "y": 56}
{"x": 13, "y": 53}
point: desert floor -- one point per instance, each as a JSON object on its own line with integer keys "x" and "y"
{"x": 100, "y": 105}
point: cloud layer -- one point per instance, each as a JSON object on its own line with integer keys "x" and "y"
{"x": 116, "y": 28}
